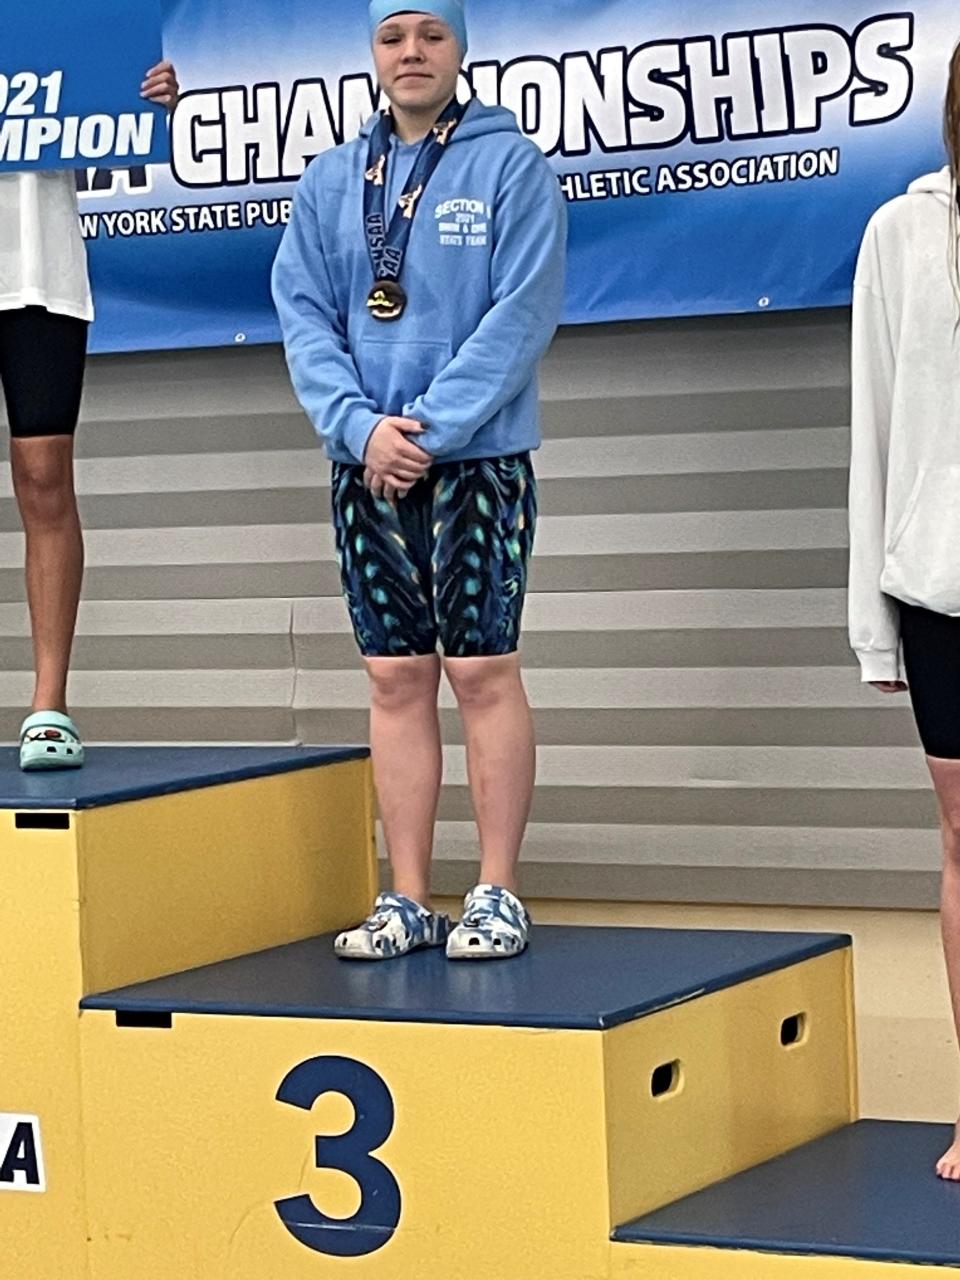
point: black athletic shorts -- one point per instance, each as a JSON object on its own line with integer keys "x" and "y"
{"x": 42, "y": 358}
{"x": 931, "y": 655}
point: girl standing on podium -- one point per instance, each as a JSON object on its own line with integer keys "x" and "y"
{"x": 904, "y": 600}
{"x": 45, "y": 312}
{"x": 419, "y": 283}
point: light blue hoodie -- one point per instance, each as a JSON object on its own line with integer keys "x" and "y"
{"x": 483, "y": 275}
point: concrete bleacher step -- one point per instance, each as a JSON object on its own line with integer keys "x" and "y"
{"x": 862, "y": 1201}
{"x": 286, "y": 1115}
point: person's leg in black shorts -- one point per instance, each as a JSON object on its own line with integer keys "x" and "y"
{"x": 42, "y": 358}
{"x": 931, "y": 656}
{"x": 446, "y": 565}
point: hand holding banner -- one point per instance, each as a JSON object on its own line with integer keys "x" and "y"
{"x": 70, "y": 85}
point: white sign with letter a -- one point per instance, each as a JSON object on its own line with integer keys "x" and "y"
{"x": 21, "y": 1154}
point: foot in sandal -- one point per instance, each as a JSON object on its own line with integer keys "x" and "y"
{"x": 50, "y": 740}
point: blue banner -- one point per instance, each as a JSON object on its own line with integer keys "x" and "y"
{"x": 716, "y": 157}
{"x": 70, "y": 80}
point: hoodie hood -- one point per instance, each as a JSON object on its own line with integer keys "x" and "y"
{"x": 939, "y": 183}
{"x": 478, "y": 121}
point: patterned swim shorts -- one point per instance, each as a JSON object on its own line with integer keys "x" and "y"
{"x": 447, "y": 564}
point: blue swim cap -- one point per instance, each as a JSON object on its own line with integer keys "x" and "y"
{"x": 448, "y": 11}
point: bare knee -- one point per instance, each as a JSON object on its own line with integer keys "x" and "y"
{"x": 398, "y": 683}
{"x": 482, "y": 683}
{"x": 43, "y": 479}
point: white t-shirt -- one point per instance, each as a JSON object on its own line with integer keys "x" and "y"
{"x": 43, "y": 260}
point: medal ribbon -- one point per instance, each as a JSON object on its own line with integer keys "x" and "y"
{"x": 387, "y": 245}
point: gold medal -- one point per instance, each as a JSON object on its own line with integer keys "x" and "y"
{"x": 387, "y": 301}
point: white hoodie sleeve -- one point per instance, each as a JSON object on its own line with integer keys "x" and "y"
{"x": 873, "y": 619}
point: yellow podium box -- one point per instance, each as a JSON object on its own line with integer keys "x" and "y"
{"x": 145, "y": 862}
{"x": 288, "y": 1115}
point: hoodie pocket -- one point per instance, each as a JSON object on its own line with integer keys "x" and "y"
{"x": 394, "y": 371}
{"x": 923, "y": 556}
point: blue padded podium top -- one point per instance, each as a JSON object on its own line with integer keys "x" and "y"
{"x": 867, "y": 1191}
{"x": 576, "y": 978}
{"x": 112, "y": 775}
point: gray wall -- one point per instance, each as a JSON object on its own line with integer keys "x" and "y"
{"x": 704, "y": 735}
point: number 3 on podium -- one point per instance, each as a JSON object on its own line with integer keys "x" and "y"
{"x": 372, "y": 1226}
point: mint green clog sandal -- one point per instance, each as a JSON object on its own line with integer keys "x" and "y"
{"x": 50, "y": 740}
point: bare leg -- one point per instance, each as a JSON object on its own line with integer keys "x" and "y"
{"x": 501, "y": 758}
{"x": 43, "y": 482}
{"x": 407, "y": 764}
{"x": 946, "y": 780}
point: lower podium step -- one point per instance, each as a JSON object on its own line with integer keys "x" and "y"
{"x": 862, "y": 1202}
{"x": 147, "y": 861}
{"x": 285, "y": 1115}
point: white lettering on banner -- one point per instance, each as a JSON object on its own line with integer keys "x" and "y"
{"x": 186, "y": 219}
{"x": 31, "y": 133}
{"x": 21, "y": 1154}
{"x": 701, "y": 175}
{"x": 749, "y": 171}
{"x": 238, "y": 136}
{"x": 760, "y": 84}
{"x": 609, "y": 184}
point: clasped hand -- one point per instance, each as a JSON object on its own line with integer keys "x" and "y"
{"x": 393, "y": 463}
